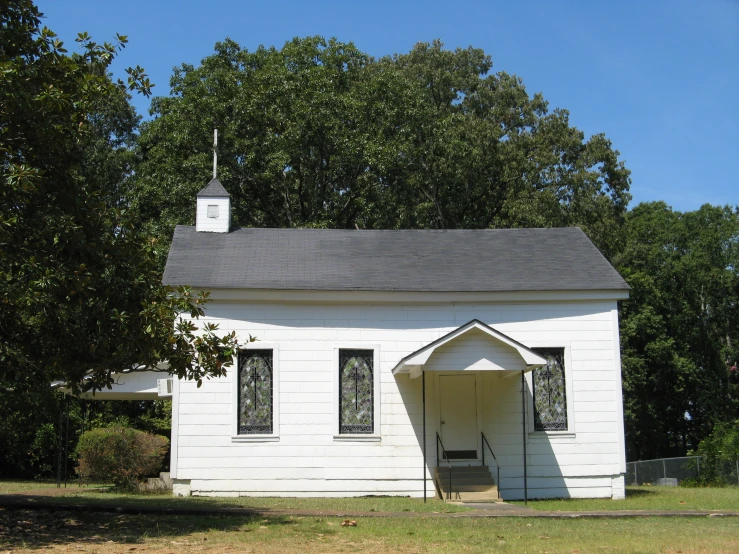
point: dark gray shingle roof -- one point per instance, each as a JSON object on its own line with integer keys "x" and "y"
{"x": 214, "y": 189}
{"x": 415, "y": 261}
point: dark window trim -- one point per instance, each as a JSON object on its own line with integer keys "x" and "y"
{"x": 247, "y": 430}
{"x": 344, "y": 354}
{"x": 559, "y": 353}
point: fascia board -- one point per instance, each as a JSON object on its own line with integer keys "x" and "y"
{"x": 421, "y": 356}
{"x": 394, "y": 297}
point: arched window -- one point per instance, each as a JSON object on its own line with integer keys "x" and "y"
{"x": 255, "y": 392}
{"x": 356, "y": 392}
{"x": 549, "y": 391}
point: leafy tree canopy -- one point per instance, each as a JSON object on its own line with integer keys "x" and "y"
{"x": 80, "y": 291}
{"x": 720, "y": 455}
{"x": 319, "y": 134}
{"x": 680, "y": 326}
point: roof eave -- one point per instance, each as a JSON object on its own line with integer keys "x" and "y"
{"x": 235, "y": 293}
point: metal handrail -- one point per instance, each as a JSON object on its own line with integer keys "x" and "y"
{"x": 449, "y": 463}
{"x": 484, "y": 441}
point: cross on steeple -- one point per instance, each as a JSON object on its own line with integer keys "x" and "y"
{"x": 215, "y": 152}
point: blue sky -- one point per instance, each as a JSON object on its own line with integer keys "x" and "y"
{"x": 659, "y": 78}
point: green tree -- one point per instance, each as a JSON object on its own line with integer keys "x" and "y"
{"x": 679, "y": 327}
{"x": 79, "y": 284}
{"x": 29, "y": 432}
{"x": 720, "y": 455}
{"x": 319, "y": 134}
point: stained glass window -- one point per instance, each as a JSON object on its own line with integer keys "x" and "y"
{"x": 550, "y": 395}
{"x": 255, "y": 392}
{"x": 356, "y": 391}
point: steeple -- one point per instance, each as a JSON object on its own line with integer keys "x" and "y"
{"x": 213, "y": 210}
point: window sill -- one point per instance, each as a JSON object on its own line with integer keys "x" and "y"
{"x": 551, "y": 435}
{"x": 255, "y": 438}
{"x": 357, "y": 438}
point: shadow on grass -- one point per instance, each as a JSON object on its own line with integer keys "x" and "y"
{"x": 44, "y": 528}
{"x": 113, "y": 500}
{"x": 640, "y": 493}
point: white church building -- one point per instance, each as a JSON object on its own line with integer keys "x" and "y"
{"x": 467, "y": 364}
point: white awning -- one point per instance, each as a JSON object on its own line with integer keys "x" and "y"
{"x": 128, "y": 385}
{"x": 474, "y": 346}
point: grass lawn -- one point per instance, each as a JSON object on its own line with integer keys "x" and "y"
{"x": 651, "y": 498}
{"x": 376, "y": 504}
{"x": 32, "y": 485}
{"x": 637, "y": 498}
{"x": 26, "y": 531}
{"x": 75, "y": 495}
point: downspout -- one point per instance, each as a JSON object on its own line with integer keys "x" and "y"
{"x": 523, "y": 419}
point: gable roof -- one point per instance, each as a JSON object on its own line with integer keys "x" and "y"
{"x": 417, "y": 359}
{"x": 214, "y": 189}
{"x": 489, "y": 260}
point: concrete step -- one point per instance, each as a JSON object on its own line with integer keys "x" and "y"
{"x": 444, "y": 482}
{"x": 463, "y": 469}
{"x": 464, "y": 474}
{"x": 158, "y": 484}
{"x": 478, "y": 473}
{"x": 469, "y": 483}
{"x": 475, "y": 497}
{"x": 154, "y": 484}
{"x": 472, "y": 488}
{"x": 478, "y": 467}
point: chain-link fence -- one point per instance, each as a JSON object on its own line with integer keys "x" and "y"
{"x": 672, "y": 471}
{"x": 720, "y": 472}
{"x": 663, "y": 471}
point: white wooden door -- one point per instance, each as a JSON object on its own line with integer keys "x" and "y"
{"x": 458, "y": 412}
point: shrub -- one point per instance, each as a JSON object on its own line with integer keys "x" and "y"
{"x": 720, "y": 455}
{"x": 120, "y": 455}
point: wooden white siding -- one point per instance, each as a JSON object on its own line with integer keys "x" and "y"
{"x": 219, "y": 224}
{"x": 305, "y": 458}
{"x": 475, "y": 351}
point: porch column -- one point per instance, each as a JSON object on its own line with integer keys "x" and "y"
{"x": 523, "y": 419}
{"x": 423, "y": 396}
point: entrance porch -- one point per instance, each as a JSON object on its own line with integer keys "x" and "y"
{"x": 474, "y": 403}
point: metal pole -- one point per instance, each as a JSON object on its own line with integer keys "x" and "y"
{"x": 83, "y": 410}
{"x": 423, "y": 396}
{"x": 523, "y": 419}
{"x": 664, "y": 471}
{"x": 66, "y": 440}
{"x": 59, "y": 453}
{"x": 636, "y": 476}
{"x": 737, "y": 472}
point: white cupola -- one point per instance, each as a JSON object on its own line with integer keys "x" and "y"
{"x": 213, "y": 210}
{"x": 213, "y": 214}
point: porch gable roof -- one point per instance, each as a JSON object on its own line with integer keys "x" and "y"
{"x": 414, "y": 362}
